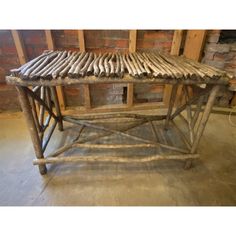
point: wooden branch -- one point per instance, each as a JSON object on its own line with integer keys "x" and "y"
{"x": 205, "y": 117}
{"x": 171, "y": 104}
{"x": 118, "y": 115}
{"x": 52, "y": 128}
{"x": 40, "y": 101}
{"x": 87, "y": 98}
{"x": 90, "y": 139}
{"x": 113, "y": 146}
{"x": 114, "y": 159}
{"x": 181, "y": 134}
{"x": 125, "y": 135}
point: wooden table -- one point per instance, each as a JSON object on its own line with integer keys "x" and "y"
{"x": 38, "y": 97}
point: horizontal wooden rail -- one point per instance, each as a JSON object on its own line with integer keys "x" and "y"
{"x": 113, "y": 159}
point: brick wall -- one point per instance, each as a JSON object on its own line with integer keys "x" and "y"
{"x": 222, "y": 56}
{"x": 8, "y": 60}
{"x": 154, "y": 39}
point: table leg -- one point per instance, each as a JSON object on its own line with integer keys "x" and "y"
{"x": 57, "y": 107}
{"x": 27, "y": 111}
{"x": 203, "y": 122}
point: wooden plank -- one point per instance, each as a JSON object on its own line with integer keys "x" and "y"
{"x": 132, "y": 48}
{"x": 195, "y": 40}
{"x": 19, "y": 46}
{"x": 87, "y": 98}
{"x": 49, "y": 39}
{"x": 176, "y": 42}
{"x": 130, "y": 95}
{"x": 81, "y": 40}
{"x": 132, "y": 40}
{"x": 60, "y": 92}
{"x": 86, "y": 87}
{"x": 175, "y": 50}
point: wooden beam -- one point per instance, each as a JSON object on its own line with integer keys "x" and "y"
{"x": 130, "y": 95}
{"x": 60, "y": 91}
{"x": 176, "y": 42}
{"x": 175, "y": 50}
{"x": 19, "y": 46}
{"x": 132, "y": 40}
{"x": 86, "y": 87}
{"x": 81, "y": 40}
{"x": 87, "y": 98}
{"x": 49, "y": 39}
{"x": 132, "y": 48}
{"x": 195, "y": 40}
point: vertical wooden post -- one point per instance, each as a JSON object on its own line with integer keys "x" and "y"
{"x": 60, "y": 92}
{"x": 86, "y": 87}
{"x": 176, "y": 42}
{"x": 194, "y": 43}
{"x": 175, "y": 50}
{"x": 19, "y": 46}
{"x": 25, "y": 105}
{"x": 81, "y": 40}
{"x": 132, "y": 40}
{"x": 132, "y": 48}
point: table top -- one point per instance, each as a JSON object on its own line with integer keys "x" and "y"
{"x": 66, "y": 67}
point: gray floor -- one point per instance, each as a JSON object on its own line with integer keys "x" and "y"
{"x": 212, "y": 181}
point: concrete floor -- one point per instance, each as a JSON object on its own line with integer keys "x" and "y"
{"x": 212, "y": 181}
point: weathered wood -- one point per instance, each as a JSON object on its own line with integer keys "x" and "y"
{"x": 49, "y": 39}
{"x": 19, "y": 46}
{"x": 132, "y": 40}
{"x": 81, "y": 40}
{"x": 47, "y": 139}
{"x": 41, "y": 102}
{"x": 196, "y": 38}
{"x": 57, "y": 107}
{"x": 114, "y": 159}
{"x": 181, "y": 134}
{"x": 25, "y": 105}
{"x": 93, "y": 80}
{"x": 118, "y": 115}
{"x": 124, "y": 134}
{"x": 171, "y": 104}
{"x": 130, "y": 95}
{"x": 93, "y": 138}
{"x": 176, "y": 42}
{"x": 112, "y": 146}
{"x": 87, "y": 98}
{"x": 205, "y": 117}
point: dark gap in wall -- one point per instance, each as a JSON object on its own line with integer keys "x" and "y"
{"x": 227, "y": 36}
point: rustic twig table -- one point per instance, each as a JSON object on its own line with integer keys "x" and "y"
{"x": 36, "y": 82}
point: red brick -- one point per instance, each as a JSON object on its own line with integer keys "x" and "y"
{"x": 159, "y": 35}
{"x": 9, "y": 50}
{"x": 145, "y": 44}
{"x": 122, "y": 43}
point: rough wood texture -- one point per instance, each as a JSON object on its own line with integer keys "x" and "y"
{"x": 57, "y": 65}
{"x": 114, "y": 159}
{"x": 19, "y": 46}
{"x": 132, "y": 40}
{"x": 81, "y": 40}
{"x": 194, "y": 44}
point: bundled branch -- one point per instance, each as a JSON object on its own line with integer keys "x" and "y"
{"x": 61, "y": 64}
